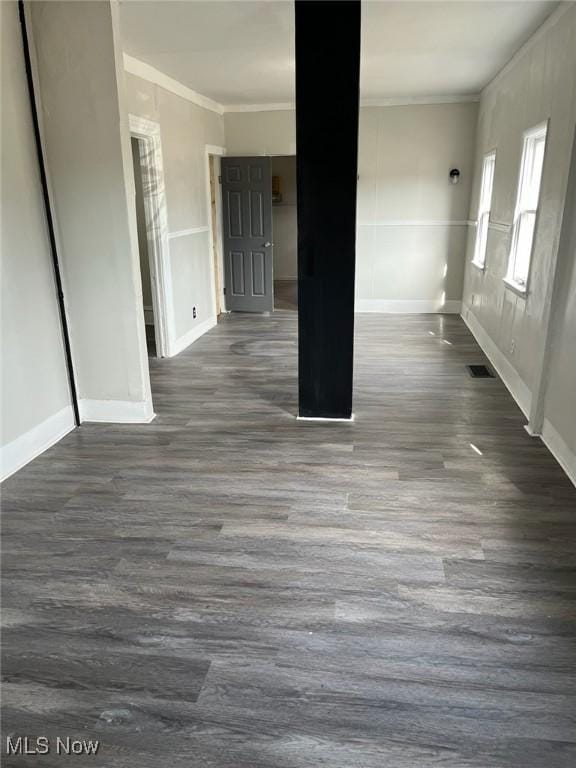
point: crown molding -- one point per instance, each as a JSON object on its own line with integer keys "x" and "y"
{"x": 396, "y": 101}
{"x": 406, "y": 101}
{"x": 416, "y": 223}
{"x": 546, "y": 25}
{"x": 275, "y": 107}
{"x": 153, "y": 75}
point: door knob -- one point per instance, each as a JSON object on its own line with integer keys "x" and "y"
{"x": 267, "y": 244}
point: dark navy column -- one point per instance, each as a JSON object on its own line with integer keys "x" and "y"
{"x": 327, "y": 102}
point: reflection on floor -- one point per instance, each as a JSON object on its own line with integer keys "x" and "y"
{"x": 286, "y": 294}
{"x": 230, "y": 587}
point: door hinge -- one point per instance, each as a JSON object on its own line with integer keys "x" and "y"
{"x": 224, "y": 291}
{"x": 219, "y": 179}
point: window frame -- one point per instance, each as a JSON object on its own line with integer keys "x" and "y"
{"x": 530, "y": 138}
{"x": 484, "y": 211}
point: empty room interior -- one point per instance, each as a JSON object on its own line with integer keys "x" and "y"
{"x": 288, "y": 404}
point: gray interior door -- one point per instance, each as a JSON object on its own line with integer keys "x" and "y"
{"x": 247, "y": 222}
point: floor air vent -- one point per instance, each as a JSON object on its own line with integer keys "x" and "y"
{"x": 480, "y": 372}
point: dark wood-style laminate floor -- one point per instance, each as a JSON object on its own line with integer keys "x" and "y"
{"x": 230, "y": 588}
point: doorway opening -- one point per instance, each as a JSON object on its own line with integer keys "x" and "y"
{"x": 285, "y": 228}
{"x": 214, "y": 200}
{"x": 152, "y": 222}
{"x": 148, "y": 306}
{"x": 256, "y": 263}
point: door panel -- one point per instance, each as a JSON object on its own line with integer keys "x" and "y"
{"x": 255, "y": 173}
{"x": 231, "y": 171}
{"x": 235, "y": 228}
{"x": 238, "y": 281}
{"x": 247, "y": 222}
{"x": 256, "y": 214}
{"x": 258, "y": 273}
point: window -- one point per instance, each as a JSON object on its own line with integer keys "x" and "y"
{"x": 526, "y": 207}
{"x": 484, "y": 206}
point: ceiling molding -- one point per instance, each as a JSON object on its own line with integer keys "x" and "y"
{"x": 278, "y": 107}
{"x": 405, "y": 101}
{"x": 153, "y": 75}
{"x": 396, "y": 101}
{"x": 551, "y": 21}
{"x": 416, "y": 223}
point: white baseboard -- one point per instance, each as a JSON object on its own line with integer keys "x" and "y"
{"x": 117, "y": 411}
{"x": 324, "y": 418}
{"x": 31, "y": 444}
{"x": 408, "y": 306}
{"x": 522, "y": 395}
{"x": 509, "y": 375}
{"x": 559, "y": 449}
{"x": 194, "y": 333}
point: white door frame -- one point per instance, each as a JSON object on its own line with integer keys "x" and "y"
{"x": 213, "y": 149}
{"x": 148, "y": 134}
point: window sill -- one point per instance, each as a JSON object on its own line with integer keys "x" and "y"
{"x": 481, "y": 267}
{"x": 519, "y": 290}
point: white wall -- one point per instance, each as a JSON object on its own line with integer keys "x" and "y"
{"x": 559, "y": 411}
{"x": 261, "y": 133}
{"x": 186, "y": 129}
{"x": 87, "y": 147}
{"x": 35, "y": 399}
{"x": 284, "y": 220}
{"x": 538, "y": 84}
{"x": 411, "y": 220}
{"x": 412, "y": 229}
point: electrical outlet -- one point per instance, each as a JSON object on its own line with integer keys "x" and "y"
{"x": 194, "y": 312}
